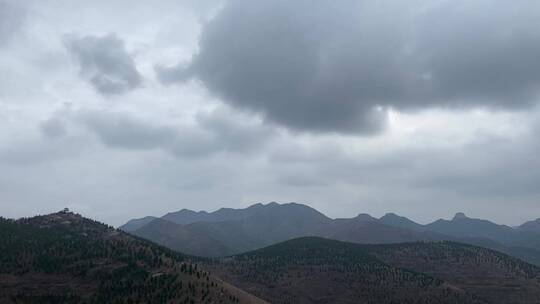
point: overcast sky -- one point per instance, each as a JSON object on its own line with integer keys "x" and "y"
{"x": 120, "y": 109}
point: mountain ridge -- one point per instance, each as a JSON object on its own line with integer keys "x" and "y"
{"x": 260, "y": 225}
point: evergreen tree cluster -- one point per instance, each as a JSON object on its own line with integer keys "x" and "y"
{"x": 65, "y": 258}
{"x": 327, "y": 270}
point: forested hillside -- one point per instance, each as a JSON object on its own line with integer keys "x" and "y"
{"x": 65, "y": 258}
{"x": 491, "y": 275}
{"x": 316, "y": 270}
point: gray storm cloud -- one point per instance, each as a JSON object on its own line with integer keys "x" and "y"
{"x": 311, "y": 69}
{"x": 104, "y": 63}
{"x": 339, "y": 66}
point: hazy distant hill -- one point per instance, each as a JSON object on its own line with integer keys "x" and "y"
{"x": 465, "y": 227}
{"x": 360, "y": 230}
{"x": 532, "y": 226}
{"x": 135, "y": 224}
{"x": 182, "y": 238}
{"x": 316, "y": 270}
{"x": 186, "y": 216}
{"x": 270, "y": 224}
{"x": 65, "y": 258}
{"x": 395, "y": 220}
{"x": 230, "y": 231}
{"x": 516, "y": 242}
{"x": 267, "y": 225}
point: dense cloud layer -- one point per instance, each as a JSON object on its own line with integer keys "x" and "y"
{"x": 339, "y": 65}
{"x": 351, "y": 67}
{"x": 105, "y": 63}
{"x": 213, "y": 133}
{"x": 53, "y": 128}
{"x": 11, "y": 18}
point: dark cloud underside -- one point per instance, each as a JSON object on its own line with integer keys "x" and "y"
{"x": 339, "y": 65}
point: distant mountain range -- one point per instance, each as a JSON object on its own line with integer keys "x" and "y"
{"x": 231, "y": 231}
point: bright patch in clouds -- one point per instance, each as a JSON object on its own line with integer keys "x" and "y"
{"x": 122, "y": 109}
